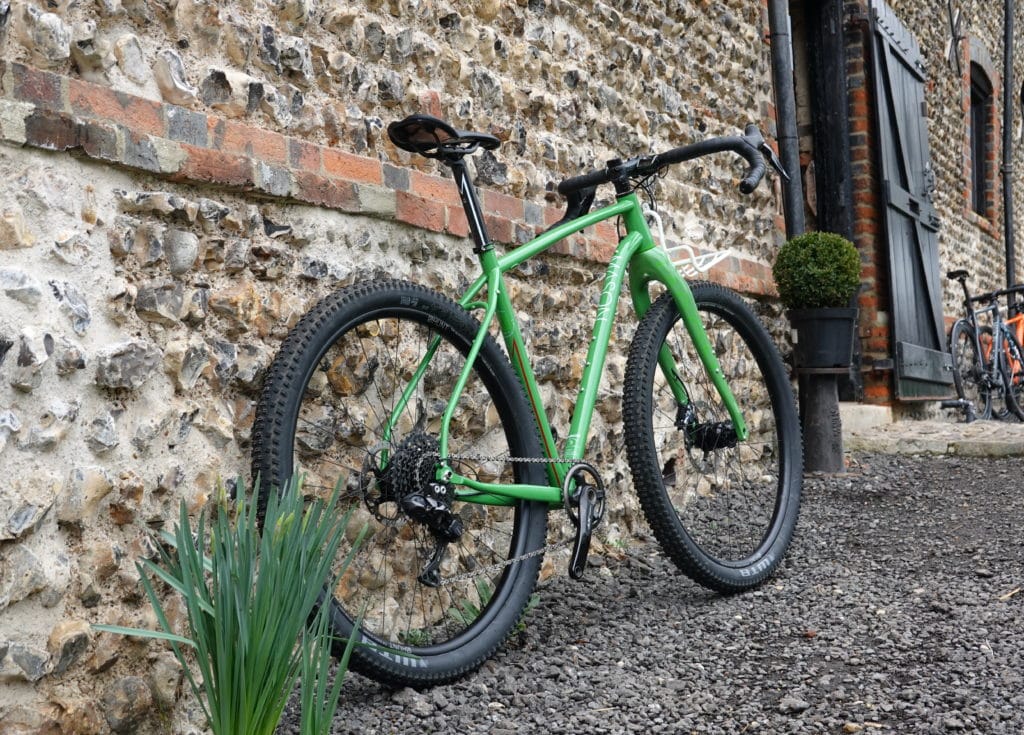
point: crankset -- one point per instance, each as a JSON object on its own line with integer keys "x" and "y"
{"x": 583, "y": 494}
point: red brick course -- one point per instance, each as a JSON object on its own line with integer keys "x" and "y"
{"x": 139, "y": 115}
{"x": 233, "y": 137}
{"x": 38, "y": 87}
{"x": 458, "y": 225}
{"x": 70, "y": 114}
{"x": 441, "y": 190}
{"x": 351, "y": 167}
{"x": 876, "y": 341}
{"x": 325, "y": 191}
{"x": 51, "y": 131}
{"x": 427, "y": 214}
{"x": 504, "y": 205}
{"x": 205, "y": 164}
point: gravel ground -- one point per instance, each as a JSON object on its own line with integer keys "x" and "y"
{"x": 899, "y": 609}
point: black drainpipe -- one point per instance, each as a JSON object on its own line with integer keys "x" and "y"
{"x": 785, "y": 114}
{"x": 1008, "y": 102}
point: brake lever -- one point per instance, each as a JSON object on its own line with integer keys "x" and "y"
{"x": 773, "y": 159}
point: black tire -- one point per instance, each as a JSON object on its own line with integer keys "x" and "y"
{"x": 726, "y": 516}
{"x": 1013, "y": 375}
{"x": 969, "y": 374}
{"x": 324, "y": 402}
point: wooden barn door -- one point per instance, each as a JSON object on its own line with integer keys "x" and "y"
{"x": 923, "y": 367}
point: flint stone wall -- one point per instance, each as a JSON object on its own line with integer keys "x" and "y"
{"x": 185, "y": 179}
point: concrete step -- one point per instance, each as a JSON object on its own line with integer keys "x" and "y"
{"x": 873, "y": 429}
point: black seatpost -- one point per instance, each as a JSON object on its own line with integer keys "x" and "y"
{"x": 967, "y": 293}
{"x": 471, "y": 204}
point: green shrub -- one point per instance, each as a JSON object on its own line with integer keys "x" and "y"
{"x": 817, "y": 269}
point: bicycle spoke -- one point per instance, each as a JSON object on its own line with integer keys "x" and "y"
{"x": 343, "y": 418}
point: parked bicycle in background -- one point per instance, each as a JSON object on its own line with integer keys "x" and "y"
{"x": 988, "y": 361}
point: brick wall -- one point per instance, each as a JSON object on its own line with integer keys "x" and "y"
{"x": 966, "y": 239}
{"x": 868, "y": 229}
{"x": 56, "y": 113}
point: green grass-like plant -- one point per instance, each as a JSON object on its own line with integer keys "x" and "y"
{"x": 250, "y": 595}
{"x": 817, "y": 270}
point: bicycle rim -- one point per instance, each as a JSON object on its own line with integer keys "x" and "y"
{"x": 350, "y": 419}
{"x": 969, "y": 374}
{"x": 724, "y": 513}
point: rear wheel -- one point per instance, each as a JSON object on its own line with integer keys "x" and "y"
{"x": 723, "y": 510}
{"x": 345, "y": 402}
{"x": 970, "y": 375}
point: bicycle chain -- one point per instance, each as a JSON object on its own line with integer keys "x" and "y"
{"x": 498, "y": 566}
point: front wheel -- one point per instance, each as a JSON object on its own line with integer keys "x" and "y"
{"x": 724, "y": 511}
{"x": 1013, "y": 375}
{"x": 355, "y": 396}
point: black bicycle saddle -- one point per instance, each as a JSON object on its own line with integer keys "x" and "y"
{"x": 434, "y": 138}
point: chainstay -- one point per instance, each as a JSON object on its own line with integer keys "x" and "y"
{"x": 514, "y": 460}
{"x": 499, "y": 566}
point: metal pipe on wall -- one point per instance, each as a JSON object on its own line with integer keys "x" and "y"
{"x": 785, "y": 114}
{"x": 1007, "y": 167}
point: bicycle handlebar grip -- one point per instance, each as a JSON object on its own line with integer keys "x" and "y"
{"x": 575, "y": 183}
{"x": 750, "y": 150}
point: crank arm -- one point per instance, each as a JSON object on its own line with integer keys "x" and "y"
{"x": 588, "y": 514}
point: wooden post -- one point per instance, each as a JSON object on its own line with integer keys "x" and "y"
{"x": 822, "y": 425}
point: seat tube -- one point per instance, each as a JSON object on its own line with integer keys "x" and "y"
{"x": 471, "y": 206}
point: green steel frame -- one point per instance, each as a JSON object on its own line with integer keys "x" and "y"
{"x": 645, "y": 263}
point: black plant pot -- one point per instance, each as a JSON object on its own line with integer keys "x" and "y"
{"x": 824, "y": 337}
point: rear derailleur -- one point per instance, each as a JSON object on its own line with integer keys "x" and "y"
{"x": 583, "y": 495}
{"x": 408, "y": 482}
{"x": 431, "y": 506}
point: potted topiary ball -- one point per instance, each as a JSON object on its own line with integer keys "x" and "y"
{"x": 818, "y": 274}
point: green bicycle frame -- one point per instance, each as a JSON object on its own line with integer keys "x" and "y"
{"x": 637, "y": 254}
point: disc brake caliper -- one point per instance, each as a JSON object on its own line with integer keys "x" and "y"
{"x": 707, "y": 436}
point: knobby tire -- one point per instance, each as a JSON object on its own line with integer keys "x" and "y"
{"x": 325, "y": 403}
{"x": 724, "y": 516}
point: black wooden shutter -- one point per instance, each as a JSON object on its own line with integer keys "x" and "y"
{"x": 923, "y": 368}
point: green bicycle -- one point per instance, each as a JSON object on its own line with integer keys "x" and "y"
{"x": 446, "y": 453}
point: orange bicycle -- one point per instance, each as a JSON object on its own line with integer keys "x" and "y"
{"x": 987, "y": 358}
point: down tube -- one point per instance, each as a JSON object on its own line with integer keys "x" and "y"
{"x": 654, "y": 265}
{"x": 597, "y": 352}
